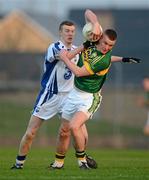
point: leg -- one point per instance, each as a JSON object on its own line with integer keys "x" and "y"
{"x": 85, "y": 134}
{"x": 27, "y": 140}
{"x": 77, "y": 131}
{"x": 63, "y": 142}
{"x": 90, "y": 161}
{"x": 29, "y": 135}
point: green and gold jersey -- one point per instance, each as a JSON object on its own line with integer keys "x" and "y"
{"x": 97, "y": 64}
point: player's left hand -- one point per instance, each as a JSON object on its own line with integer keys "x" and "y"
{"x": 131, "y": 60}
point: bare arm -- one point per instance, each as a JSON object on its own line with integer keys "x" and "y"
{"x": 78, "y": 71}
{"x": 73, "y": 53}
{"x": 91, "y": 17}
{"x": 125, "y": 59}
{"x": 116, "y": 58}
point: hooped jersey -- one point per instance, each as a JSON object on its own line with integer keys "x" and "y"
{"x": 57, "y": 76}
{"x": 97, "y": 64}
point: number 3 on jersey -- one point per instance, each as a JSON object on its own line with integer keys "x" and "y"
{"x": 67, "y": 74}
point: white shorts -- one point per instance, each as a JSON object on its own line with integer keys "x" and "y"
{"x": 78, "y": 100}
{"x": 46, "y": 109}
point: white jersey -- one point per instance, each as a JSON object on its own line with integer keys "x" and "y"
{"x": 57, "y": 77}
{"x": 56, "y": 82}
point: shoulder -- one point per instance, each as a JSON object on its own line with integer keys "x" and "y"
{"x": 74, "y": 47}
{"x": 58, "y": 45}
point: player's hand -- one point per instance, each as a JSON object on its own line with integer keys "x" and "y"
{"x": 131, "y": 60}
{"x": 96, "y": 32}
{"x": 88, "y": 44}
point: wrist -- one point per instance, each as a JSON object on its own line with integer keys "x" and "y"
{"x": 125, "y": 59}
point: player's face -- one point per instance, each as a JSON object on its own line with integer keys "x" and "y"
{"x": 67, "y": 34}
{"x": 105, "y": 44}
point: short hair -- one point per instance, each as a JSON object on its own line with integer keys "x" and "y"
{"x": 112, "y": 35}
{"x": 146, "y": 76}
{"x": 68, "y": 23}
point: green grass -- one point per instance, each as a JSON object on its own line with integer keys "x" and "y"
{"x": 113, "y": 165}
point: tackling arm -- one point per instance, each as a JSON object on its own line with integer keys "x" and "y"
{"x": 78, "y": 71}
{"x": 73, "y": 53}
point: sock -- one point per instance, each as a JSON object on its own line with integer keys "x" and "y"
{"x": 59, "y": 160}
{"x": 20, "y": 160}
{"x": 81, "y": 156}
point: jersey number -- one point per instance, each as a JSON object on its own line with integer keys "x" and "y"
{"x": 67, "y": 74}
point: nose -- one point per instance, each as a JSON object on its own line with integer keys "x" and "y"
{"x": 107, "y": 48}
{"x": 71, "y": 33}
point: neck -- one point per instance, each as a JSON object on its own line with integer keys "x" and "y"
{"x": 68, "y": 45}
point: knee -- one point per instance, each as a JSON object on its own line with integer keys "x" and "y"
{"x": 64, "y": 132}
{"x": 74, "y": 129}
{"x": 29, "y": 135}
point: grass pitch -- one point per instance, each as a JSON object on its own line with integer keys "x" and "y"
{"x": 113, "y": 165}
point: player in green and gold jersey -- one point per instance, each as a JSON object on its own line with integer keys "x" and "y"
{"x": 90, "y": 75}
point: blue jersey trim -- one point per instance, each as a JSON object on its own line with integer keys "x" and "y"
{"x": 47, "y": 74}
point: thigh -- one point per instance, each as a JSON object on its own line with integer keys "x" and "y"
{"x": 34, "y": 124}
{"x": 79, "y": 101}
{"x": 78, "y": 120}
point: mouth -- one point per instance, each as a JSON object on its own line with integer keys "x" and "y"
{"x": 104, "y": 51}
{"x": 70, "y": 38}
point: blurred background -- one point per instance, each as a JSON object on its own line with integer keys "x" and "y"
{"x": 27, "y": 27}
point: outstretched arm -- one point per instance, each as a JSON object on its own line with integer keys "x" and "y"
{"x": 116, "y": 58}
{"x": 125, "y": 59}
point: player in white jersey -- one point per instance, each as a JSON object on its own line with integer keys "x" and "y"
{"x": 56, "y": 82}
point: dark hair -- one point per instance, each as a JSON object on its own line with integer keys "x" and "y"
{"x": 68, "y": 23}
{"x": 146, "y": 76}
{"x": 112, "y": 35}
